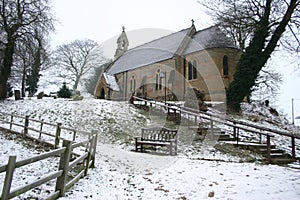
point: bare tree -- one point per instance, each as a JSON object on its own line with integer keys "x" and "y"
{"x": 30, "y": 58}
{"x": 18, "y": 19}
{"x": 267, "y": 84}
{"x": 259, "y": 27}
{"x": 77, "y": 58}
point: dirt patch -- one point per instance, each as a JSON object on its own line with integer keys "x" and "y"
{"x": 27, "y": 142}
{"x": 243, "y": 154}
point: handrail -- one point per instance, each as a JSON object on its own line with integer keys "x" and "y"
{"x": 236, "y": 124}
{"x": 208, "y": 115}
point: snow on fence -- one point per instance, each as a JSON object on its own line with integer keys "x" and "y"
{"x": 39, "y": 130}
{"x": 212, "y": 118}
{"x": 68, "y": 159}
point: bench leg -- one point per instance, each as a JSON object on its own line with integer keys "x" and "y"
{"x": 171, "y": 148}
{"x": 136, "y": 145}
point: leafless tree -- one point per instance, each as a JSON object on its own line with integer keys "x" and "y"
{"x": 258, "y": 27}
{"x": 77, "y": 58}
{"x": 30, "y": 58}
{"x": 19, "y": 19}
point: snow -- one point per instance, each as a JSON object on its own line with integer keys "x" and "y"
{"x": 112, "y": 82}
{"x": 120, "y": 173}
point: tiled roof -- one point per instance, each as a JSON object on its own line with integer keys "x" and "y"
{"x": 151, "y": 52}
{"x": 208, "y": 38}
{"x": 164, "y": 48}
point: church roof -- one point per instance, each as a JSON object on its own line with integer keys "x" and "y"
{"x": 209, "y": 38}
{"x": 111, "y": 82}
{"x": 166, "y": 47}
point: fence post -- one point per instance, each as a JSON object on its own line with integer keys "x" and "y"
{"x": 237, "y": 136}
{"x": 26, "y": 125}
{"x": 91, "y": 145}
{"x": 293, "y": 147}
{"x": 41, "y": 129}
{"x": 211, "y": 127}
{"x": 268, "y": 148}
{"x": 11, "y": 121}
{"x": 8, "y": 177}
{"x": 95, "y": 132}
{"x": 64, "y": 166}
{"x": 234, "y": 130}
{"x": 57, "y": 135}
{"x": 74, "y": 135}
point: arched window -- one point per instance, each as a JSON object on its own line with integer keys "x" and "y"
{"x": 192, "y": 70}
{"x": 132, "y": 84}
{"x": 225, "y": 65}
{"x": 158, "y": 79}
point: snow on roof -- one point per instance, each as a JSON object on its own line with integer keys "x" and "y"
{"x": 111, "y": 82}
{"x": 151, "y": 52}
{"x": 165, "y": 48}
{"x": 208, "y": 38}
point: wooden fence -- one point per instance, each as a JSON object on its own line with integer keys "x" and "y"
{"x": 236, "y": 125}
{"x": 67, "y": 162}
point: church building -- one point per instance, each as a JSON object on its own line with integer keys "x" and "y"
{"x": 166, "y": 67}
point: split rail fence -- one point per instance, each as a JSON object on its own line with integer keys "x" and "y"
{"x": 69, "y": 161}
{"x": 198, "y": 116}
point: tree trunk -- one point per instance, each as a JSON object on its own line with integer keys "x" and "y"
{"x": 255, "y": 57}
{"x": 248, "y": 66}
{"x": 23, "y": 82}
{"x": 76, "y": 83}
{"x": 6, "y": 67}
{"x": 3, "y": 87}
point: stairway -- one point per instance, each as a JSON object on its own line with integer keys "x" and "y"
{"x": 277, "y": 156}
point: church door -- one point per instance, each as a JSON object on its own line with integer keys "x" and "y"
{"x": 102, "y": 93}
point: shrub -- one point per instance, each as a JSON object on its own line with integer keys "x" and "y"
{"x": 64, "y": 92}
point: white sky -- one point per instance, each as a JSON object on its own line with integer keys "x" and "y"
{"x": 102, "y": 21}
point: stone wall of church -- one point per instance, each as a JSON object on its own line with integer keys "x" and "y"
{"x": 101, "y": 91}
{"x": 142, "y": 81}
{"x": 173, "y": 78}
{"x": 210, "y": 72}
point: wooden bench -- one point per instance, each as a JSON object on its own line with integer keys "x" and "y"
{"x": 157, "y": 136}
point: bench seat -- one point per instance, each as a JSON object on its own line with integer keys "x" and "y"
{"x": 157, "y": 136}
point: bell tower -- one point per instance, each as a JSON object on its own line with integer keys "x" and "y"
{"x": 123, "y": 44}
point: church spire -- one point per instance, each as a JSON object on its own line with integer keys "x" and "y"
{"x": 123, "y": 44}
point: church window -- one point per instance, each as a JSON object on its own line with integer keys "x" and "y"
{"x": 158, "y": 80}
{"x": 192, "y": 70}
{"x": 132, "y": 84}
{"x": 225, "y": 65}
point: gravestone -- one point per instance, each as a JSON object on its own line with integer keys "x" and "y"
{"x": 17, "y": 94}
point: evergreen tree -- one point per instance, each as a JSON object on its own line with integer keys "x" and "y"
{"x": 64, "y": 92}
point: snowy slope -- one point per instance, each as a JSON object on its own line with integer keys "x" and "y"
{"x": 123, "y": 174}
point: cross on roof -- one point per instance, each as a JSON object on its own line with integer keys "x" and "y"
{"x": 192, "y": 21}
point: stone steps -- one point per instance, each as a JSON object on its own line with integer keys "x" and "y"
{"x": 277, "y": 156}
{"x": 281, "y": 161}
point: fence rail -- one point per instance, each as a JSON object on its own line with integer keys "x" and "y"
{"x": 236, "y": 125}
{"x": 65, "y": 152}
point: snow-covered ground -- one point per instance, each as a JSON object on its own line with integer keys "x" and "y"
{"x": 197, "y": 172}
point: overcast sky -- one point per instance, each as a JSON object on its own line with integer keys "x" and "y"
{"x": 102, "y": 21}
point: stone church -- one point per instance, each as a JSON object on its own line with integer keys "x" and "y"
{"x": 166, "y": 67}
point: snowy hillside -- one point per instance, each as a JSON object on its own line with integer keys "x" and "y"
{"x": 197, "y": 172}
